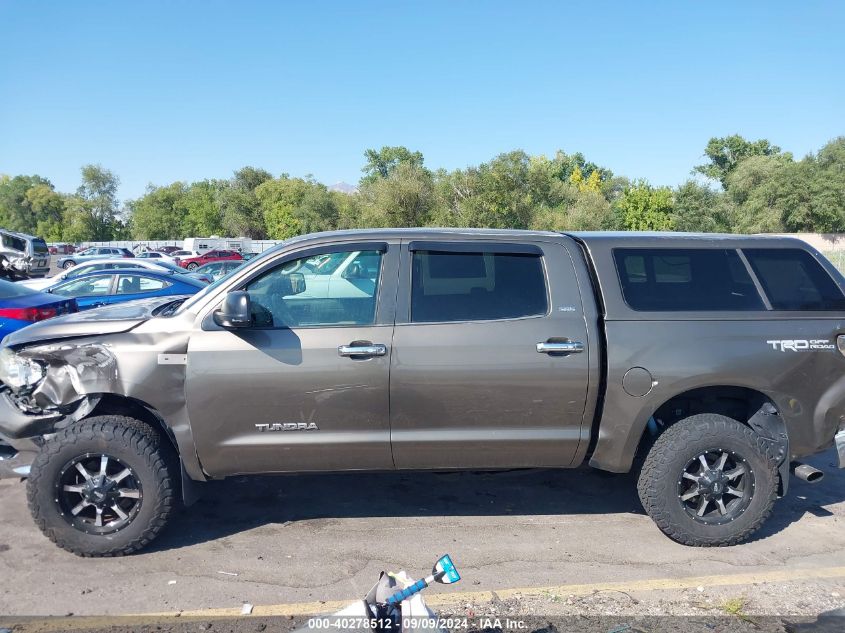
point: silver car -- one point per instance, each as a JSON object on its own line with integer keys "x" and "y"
{"x": 110, "y": 264}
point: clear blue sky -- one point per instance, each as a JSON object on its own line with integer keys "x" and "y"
{"x": 165, "y": 91}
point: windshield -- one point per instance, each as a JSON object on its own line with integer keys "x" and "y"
{"x": 213, "y": 286}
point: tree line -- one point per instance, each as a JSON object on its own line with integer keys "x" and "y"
{"x": 742, "y": 186}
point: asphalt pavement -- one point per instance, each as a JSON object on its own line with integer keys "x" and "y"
{"x": 318, "y": 541}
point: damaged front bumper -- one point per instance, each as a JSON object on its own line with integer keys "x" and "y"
{"x": 21, "y": 433}
{"x": 15, "y": 424}
{"x": 67, "y": 391}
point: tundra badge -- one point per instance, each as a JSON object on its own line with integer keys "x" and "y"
{"x": 287, "y": 426}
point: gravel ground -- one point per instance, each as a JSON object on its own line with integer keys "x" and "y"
{"x": 703, "y": 609}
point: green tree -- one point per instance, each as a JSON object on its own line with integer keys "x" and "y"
{"x": 757, "y": 186}
{"x": 293, "y": 206}
{"x": 203, "y": 213}
{"x": 48, "y": 207}
{"x": 567, "y": 164}
{"x": 502, "y": 193}
{"x": 700, "y": 209}
{"x": 406, "y": 197}
{"x": 241, "y": 210}
{"x": 775, "y": 193}
{"x": 159, "y": 214}
{"x": 583, "y": 210}
{"x": 30, "y": 204}
{"x": 92, "y": 214}
{"x": 646, "y": 208}
{"x": 382, "y": 162}
{"x": 727, "y": 152}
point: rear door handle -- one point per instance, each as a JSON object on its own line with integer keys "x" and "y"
{"x": 362, "y": 350}
{"x": 569, "y": 347}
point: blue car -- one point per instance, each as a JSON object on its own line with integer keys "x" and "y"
{"x": 105, "y": 287}
{"x": 20, "y": 306}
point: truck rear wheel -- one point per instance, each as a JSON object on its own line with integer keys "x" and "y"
{"x": 708, "y": 481}
{"x": 103, "y": 487}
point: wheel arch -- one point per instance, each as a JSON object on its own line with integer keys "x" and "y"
{"x": 620, "y": 442}
{"x": 746, "y": 405}
{"x": 115, "y": 404}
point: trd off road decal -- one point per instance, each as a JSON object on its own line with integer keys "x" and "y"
{"x": 801, "y": 345}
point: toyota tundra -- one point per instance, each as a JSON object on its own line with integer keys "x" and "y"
{"x": 710, "y": 364}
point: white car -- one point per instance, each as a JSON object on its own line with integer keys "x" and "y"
{"x": 109, "y": 264}
{"x": 154, "y": 255}
{"x": 185, "y": 254}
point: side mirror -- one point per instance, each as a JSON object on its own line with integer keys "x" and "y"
{"x": 236, "y": 310}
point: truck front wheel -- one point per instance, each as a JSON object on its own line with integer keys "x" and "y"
{"x": 708, "y": 481}
{"x": 103, "y": 487}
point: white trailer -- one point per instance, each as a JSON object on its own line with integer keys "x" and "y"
{"x": 205, "y": 244}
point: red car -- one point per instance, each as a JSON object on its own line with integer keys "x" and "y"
{"x": 192, "y": 263}
{"x": 61, "y": 249}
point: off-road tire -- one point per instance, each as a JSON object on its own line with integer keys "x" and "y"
{"x": 664, "y": 466}
{"x": 136, "y": 444}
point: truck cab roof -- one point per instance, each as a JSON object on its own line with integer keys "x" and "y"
{"x": 611, "y": 239}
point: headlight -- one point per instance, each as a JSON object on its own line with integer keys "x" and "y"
{"x": 17, "y": 372}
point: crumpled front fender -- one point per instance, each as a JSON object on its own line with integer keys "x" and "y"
{"x": 72, "y": 373}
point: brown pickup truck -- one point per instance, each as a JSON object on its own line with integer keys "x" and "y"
{"x": 709, "y": 363}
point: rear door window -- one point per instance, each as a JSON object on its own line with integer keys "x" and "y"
{"x": 794, "y": 280}
{"x": 685, "y": 279}
{"x": 134, "y": 284}
{"x": 466, "y": 286}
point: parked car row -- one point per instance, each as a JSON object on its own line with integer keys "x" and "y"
{"x": 100, "y": 275}
{"x": 113, "y": 264}
{"x": 105, "y": 287}
{"x": 190, "y": 260}
{"x": 22, "y": 304}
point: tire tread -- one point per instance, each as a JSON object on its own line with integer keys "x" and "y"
{"x": 142, "y": 439}
{"x": 657, "y": 466}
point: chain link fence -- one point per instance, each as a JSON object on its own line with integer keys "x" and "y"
{"x": 837, "y": 258}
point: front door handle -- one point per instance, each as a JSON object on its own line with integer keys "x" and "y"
{"x": 568, "y": 347}
{"x": 363, "y": 350}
